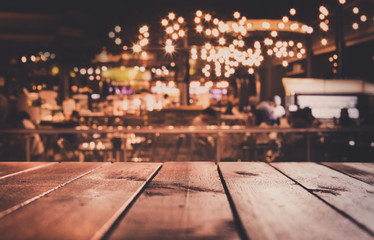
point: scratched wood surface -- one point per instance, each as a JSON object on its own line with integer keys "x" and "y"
{"x": 185, "y": 200}
{"x": 348, "y": 195}
{"x": 363, "y": 171}
{"x": 82, "y": 208}
{"x": 23, "y": 187}
{"x": 271, "y": 206}
{"x": 11, "y": 168}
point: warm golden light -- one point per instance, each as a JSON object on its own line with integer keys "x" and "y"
{"x": 208, "y": 17}
{"x": 363, "y": 18}
{"x": 209, "y": 84}
{"x": 111, "y": 34}
{"x": 180, "y": 20}
{"x": 164, "y": 22}
{"x": 324, "y": 26}
{"x": 174, "y": 36}
{"x": 285, "y": 63}
{"x": 294, "y": 26}
{"x": 215, "y": 32}
{"x": 169, "y": 48}
{"x": 292, "y": 11}
{"x": 356, "y": 10}
{"x": 143, "y": 42}
{"x": 137, "y": 48}
{"x": 266, "y": 25}
{"x": 281, "y": 25}
{"x": 222, "y": 41}
{"x": 324, "y": 41}
{"x": 342, "y": 1}
{"x": 324, "y": 10}
{"x": 285, "y": 19}
{"x": 199, "y": 28}
{"x": 118, "y": 41}
{"x": 268, "y": 41}
{"x": 335, "y": 56}
{"x": 274, "y": 33}
{"x": 171, "y": 16}
{"x": 181, "y": 33}
{"x": 117, "y": 29}
{"x": 236, "y": 15}
{"x": 355, "y": 26}
{"x": 24, "y": 59}
{"x": 169, "y": 30}
{"x": 199, "y": 13}
{"x": 197, "y": 20}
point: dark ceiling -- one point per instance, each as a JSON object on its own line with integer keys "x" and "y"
{"x": 78, "y": 29}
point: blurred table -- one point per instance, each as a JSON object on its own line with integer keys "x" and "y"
{"x": 186, "y": 200}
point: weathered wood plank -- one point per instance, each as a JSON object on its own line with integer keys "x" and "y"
{"x": 80, "y": 209}
{"x": 362, "y": 171}
{"x": 271, "y": 206}
{"x": 352, "y": 197}
{"x": 20, "y": 188}
{"x": 8, "y": 168}
{"x": 185, "y": 200}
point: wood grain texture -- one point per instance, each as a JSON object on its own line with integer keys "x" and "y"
{"x": 351, "y": 196}
{"x": 7, "y": 168}
{"x": 186, "y": 200}
{"x": 17, "y": 189}
{"x": 363, "y": 171}
{"x": 271, "y": 206}
{"x": 79, "y": 209}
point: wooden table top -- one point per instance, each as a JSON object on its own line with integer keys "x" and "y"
{"x": 186, "y": 200}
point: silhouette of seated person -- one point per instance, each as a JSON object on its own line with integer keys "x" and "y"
{"x": 344, "y": 119}
{"x": 303, "y": 118}
{"x": 24, "y": 122}
{"x": 204, "y": 143}
{"x": 207, "y": 117}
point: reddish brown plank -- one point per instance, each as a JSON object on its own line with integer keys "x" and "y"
{"x": 8, "y": 168}
{"x": 81, "y": 208}
{"x": 362, "y": 171}
{"x": 20, "y": 188}
{"x": 351, "y": 196}
{"x": 184, "y": 201}
{"x": 271, "y": 206}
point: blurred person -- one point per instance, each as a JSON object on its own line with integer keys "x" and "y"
{"x": 278, "y": 109}
{"x": 264, "y": 113}
{"x": 204, "y": 144}
{"x": 303, "y": 118}
{"x": 344, "y": 119}
{"x": 24, "y": 122}
{"x": 207, "y": 117}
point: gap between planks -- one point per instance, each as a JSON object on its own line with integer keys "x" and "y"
{"x": 27, "y": 202}
{"x": 111, "y": 224}
{"x": 350, "y": 218}
{"x": 238, "y": 223}
{"x": 26, "y": 170}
